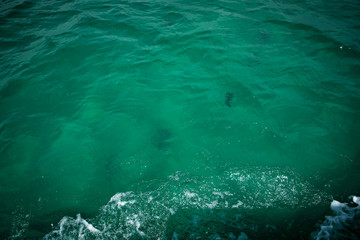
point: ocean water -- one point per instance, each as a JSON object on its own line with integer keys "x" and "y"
{"x": 225, "y": 119}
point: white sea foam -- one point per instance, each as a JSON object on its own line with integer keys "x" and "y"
{"x": 344, "y": 224}
{"x": 131, "y": 215}
{"x": 20, "y": 224}
{"x": 172, "y": 212}
{"x": 189, "y": 194}
{"x": 117, "y": 199}
{"x": 70, "y": 228}
{"x": 239, "y": 203}
{"x": 89, "y": 226}
{"x": 219, "y": 194}
{"x": 212, "y": 204}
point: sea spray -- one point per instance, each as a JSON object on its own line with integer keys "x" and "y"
{"x": 343, "y": 224}
{"x": 186, "y": 206}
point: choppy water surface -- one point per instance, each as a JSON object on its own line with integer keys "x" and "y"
{"x": 179, "y": 119}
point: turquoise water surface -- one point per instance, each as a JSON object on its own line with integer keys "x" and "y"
{"x": 223, "y": 119}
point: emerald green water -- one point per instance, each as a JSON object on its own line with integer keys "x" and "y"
{"x": 177, "y": 119}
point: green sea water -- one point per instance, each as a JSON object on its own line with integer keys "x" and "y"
{"x": 225, "y": 119}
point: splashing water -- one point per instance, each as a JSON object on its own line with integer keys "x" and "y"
{"x": 344, "y": 224}
{"x": 193, "y": 203}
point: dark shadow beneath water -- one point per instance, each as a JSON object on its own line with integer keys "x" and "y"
{"x": 161, "y": 138}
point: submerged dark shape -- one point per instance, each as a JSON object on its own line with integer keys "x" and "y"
{"x": 161, "y": 138}
{"x": 228, "y": 98}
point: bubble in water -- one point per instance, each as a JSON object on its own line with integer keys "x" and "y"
{"x": 190, "y": 207}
